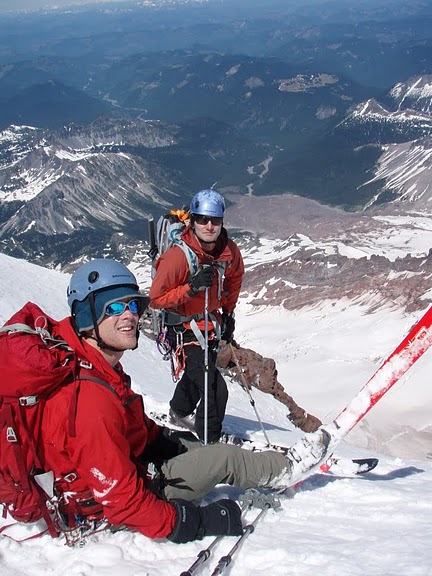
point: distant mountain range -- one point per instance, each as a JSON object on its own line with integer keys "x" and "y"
{"x": 65, "y": 192}
{"x": 111, "y": 113}
{"x": 379, "y": 152}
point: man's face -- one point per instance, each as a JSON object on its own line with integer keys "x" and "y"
{"x": 120, "y": 331}
{"x": 207, "y": 228}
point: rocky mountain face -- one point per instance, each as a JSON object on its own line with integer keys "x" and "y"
{"x": 80, "y": 178}
{"x": 306, "y": 278}
{"x": 66, "y": 193}
{"x": 62, "y": 193}
{"x": 402, "y": 127}
{"x": 379, "y": 257}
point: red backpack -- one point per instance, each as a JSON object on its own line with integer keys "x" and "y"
{"x": 34, "y": 363}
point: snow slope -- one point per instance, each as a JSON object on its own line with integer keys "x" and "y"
{"x": 379, "y": 524}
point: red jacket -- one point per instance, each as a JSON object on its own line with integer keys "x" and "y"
{"x": 111, "y": 432}
{"x": 170, "y": 287}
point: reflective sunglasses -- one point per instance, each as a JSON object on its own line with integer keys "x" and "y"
{"x": 215, "y": 220}
{"x": 117, "y": 308}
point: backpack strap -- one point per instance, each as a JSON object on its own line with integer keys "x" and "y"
{"x": 13, "y": 440}
{"x": 199, "y": 335}
{"x": 28, "y": 483}
{"x": 220, "y": 267}
{"x": 191, "y": 257}
{"x": 173, "y": 319}
{"x": 85, "y": 366}
{"x": 42, "y": 332}
{"x": 18, "y": 327}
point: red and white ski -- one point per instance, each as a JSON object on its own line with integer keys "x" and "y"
{"x": 412, "y": 347}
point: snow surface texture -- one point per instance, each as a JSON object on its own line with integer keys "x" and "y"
{"x": 378, "y": 524}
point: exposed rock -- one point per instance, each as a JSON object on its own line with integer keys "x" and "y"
{"x": 249, "y": 368}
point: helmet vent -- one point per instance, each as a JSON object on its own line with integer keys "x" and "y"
{"x": 93, "y": 277}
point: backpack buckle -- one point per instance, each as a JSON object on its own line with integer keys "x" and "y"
{"x": 11, "y": 435}
{"x": 71, "y": 477}
{"x": 86, "y": 365}
{"x": 28, "y": 400}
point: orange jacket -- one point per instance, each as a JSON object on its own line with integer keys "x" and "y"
{"x": 170, "y": 287}
{"x": 111, "y": 431}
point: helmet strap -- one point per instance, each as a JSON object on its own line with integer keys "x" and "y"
{"x": 98, "y": 339}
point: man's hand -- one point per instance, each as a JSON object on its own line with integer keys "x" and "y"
{"x": 222, "y": 517}
{"x": 202, "y": 279}
{"x": 228, "y": 326}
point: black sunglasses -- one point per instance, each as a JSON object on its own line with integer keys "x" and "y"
{"x": 203, "y": 220}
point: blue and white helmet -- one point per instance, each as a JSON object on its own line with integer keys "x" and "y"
{"x": 97, "y": 275}
{"x": 208, "y": 203}
{"x": 96, "y": 284}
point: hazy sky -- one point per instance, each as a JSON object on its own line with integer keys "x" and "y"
{"x": 12, "y": 5}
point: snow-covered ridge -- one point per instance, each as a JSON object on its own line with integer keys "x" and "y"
{"x": 407, "y": 171}
{"x": 324, "y": 354}
{"x": 411, "y": 100}
{"x": 417, "y": 93}
{"x": 402, "y": 128}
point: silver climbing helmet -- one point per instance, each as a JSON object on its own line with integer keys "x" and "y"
{"x": 208, "y": 203}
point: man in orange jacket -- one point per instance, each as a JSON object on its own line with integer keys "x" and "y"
{"x": 220, "y": 273}
{"x": 110, "y": 461}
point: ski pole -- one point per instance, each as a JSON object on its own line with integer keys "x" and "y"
{"x": 247, "y": 500}
{"x": 203, "y": 555}
{"x": 225, "y": 561}
{"x": 261, "y": 501}
{"x": 206, "y": 364}
{"x": 246, "y": 386}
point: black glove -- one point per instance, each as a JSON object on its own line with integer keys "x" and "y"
{"x": 194, "y": 522}
{"x": 202, "y": 279}
{"x": 166, "y": 446}
{"x": 228, "y": 326}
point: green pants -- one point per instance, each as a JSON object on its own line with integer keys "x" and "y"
{"x": 193, "y": 474}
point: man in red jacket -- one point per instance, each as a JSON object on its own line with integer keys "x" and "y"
{"x": 110, "y": 460}
{"x": 219, "y": 274}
